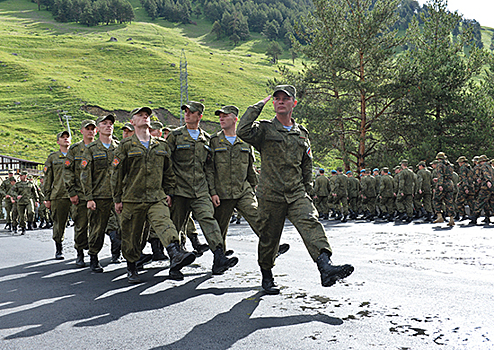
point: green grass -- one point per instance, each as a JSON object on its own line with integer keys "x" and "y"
{"x": 49, "y": 67}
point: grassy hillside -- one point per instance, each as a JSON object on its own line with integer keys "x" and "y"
{"x": 47, "y": 68}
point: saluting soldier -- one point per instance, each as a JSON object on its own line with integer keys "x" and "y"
{"x": 22, "y": 193}
{"x": 96, "y": 184}
{"x": 191, "y": 156}
{"x": 286, "y": 181}
{"x": 142, "y": 184}
{"x": 56, "y": 195}
{"x": 72, "y": 179}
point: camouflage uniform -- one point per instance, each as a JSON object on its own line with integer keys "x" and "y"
{"x": 404, "y": 196}
{"x": 465, "y": 189}
{"x": 72, "y": 179}
{"x": 485, "y": 176}
{"x": 55, "y": 191}
{"x": 321, "y": 190}
{"x": 141, "y": 179}
{"x": 28, "y": 192}
{"x": 353, "y": 187}
{"x": 425, "y": 188}
{"x": 96, "y": 184}
{"x": 5, "y": 188}
{"x": 234, "y": 179}
{"x": 444, "y": 180}
{"x": 368, "y": 184}
{"x": 286, "y": 180}
{"x": 340, "y": 194}
{"x": 386, "y": 192}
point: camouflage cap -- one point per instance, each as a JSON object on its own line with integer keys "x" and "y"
{"x": 227, "y": 110}
{"x": 23, "y": 173}
{"x": 475, "y": 159}
{"x": 128, "y": 126}
{"x": 404, "y": 162}
{"x": 148, "y": 110}
{"x": 421, "y": 163}
{"x": 385, "y": 169}
{"x": 339, "y": 169}
{"x": 434, "y": 162}
{"x": 461, "y": 159}
{"x": 87, "y": 122}
{"x": 397, "y": 168}
{"x": 194, "y": 106}
{"x": 60, "y": 134}
{"x": 156, "y": 125}
{"x": 167, "y": 128}
{"x": 483, "y": 158}
{"x": 107, "y": 117}
{"x": 287, "y": 89}
{"x": 441, "y": 155}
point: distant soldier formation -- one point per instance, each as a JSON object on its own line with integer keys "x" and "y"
{"x": 153, "y": 185}
{"x": 434, "y": 194}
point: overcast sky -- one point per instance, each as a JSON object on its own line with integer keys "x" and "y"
{"x": 480, "y": 10}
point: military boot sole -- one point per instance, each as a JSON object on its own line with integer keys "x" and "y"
{"x": 97, "y": 268}
{"x": 187, "y": 259}
{"x": 270, "y": 287}
{"x": 145, "y": 258}
{"x": 282, "y": 249}
{"x": 59, "y": 256}
{"x": 337, "y": 273}
{"x": 175, "y": 275}
{"x": 133, "y": 277}
{"x": 219, "y": 270}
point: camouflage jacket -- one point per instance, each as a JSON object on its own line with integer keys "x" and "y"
{"x": 406, "y": 182}
{"x": 96, "y": 168}
{"x": 444, "y": 176}
{"x": 72, "y": 170}
{"x": 341, "y": 185}
{"x": 353, "y": 187}
{"x": 191, "y": 160}
{"x": 234, "y": 173}
{"x": 286, "y": 158}
{"x": 425, "y": 181}
{"x": 466, "y": 179}
{"x": 484, "y": 174}
{"x": 321, "y": 186}
{"x": 368, "y": 183}
{"x": 25, "y": 189}
{"x": 54, "y": 185}
{"x": 140, "y": 174}
{"x": 387, "y": 188}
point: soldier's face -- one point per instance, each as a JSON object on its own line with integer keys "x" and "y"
{"x": 140, "y": 119}
{"x": 155, "y": 132}
{"x": 227, "y": 121}
{"x": 89, "y": 131}
{"x": 105, "y": 127}
{"x": 64, "y": 141}
{"x": 165, "y": 133}
{"x": 283, "y": 104}
{"x": 127, "y": 133}
{"x": 192, "y": 117}
{"x": 23, "y": 177}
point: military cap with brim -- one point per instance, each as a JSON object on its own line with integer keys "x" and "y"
{"x": 148, "y": 110}
{"x": 404, "y": 161}
{"x": 23, "y": 173}
{"x": 287, "y": 89}
{"x": 227, "y": 110}
{"x": 441, "y": 155}
{"x": 87, "y": 122}
{"x": 461, "y": 159}
{"x": 193, "y": 106}
{"x": 128, "y": 126}
{"x": 339, "y": 169}
{"x": 167, "y": 128}
{"x": 422, "y": 163}
{"x": 156, "y": 125}
{"x": 475, "y": 159}
{"x": 385, "y": 169}
{"x": 60, "y": 134}
{"x": 107, "y": 117}
{"x": 483, "y": 158}
{"x": 397, "y": 167}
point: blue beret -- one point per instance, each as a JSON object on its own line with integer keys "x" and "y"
{"x": 333, "y": 171}
{"x": 348, "y": 172}
{"x": 362, "y": 171}
{"x": 376, "y": 169}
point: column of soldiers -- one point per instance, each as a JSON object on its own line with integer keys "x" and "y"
{"x": 437, "y": 194}
{"x": 118, "y": 188}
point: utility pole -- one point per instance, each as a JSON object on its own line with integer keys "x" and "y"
{"x": 184, "y": 86}
{"x": 67, "y": 117}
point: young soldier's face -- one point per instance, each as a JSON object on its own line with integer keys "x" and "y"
{"x": 283, "y": 103}
{"x": 89, "y": 131}
{"x": 140, "y": 119}
{"x": 155, "y": 132}
{"x": 105, "y": 127}
{"x": 227, "y": 121}
{"x": 64, "y": 141}
{"x": 127, "y": 133}
{"x": 192, "y": 117}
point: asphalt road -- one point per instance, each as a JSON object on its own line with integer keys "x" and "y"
{"x": 417, "y": 286}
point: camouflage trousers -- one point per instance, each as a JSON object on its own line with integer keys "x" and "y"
{"x": 444, "y": 197}
{"x": 369, "y": 204}
{"x": 80, "y": 216}
{"x": 60, "y": 213}
{"x": 423, "y": 200}
{"x": 485, "y": 201}
{"x": 8, "y": 209}
{"x": 98, "y": 220}
{"x": 352, "y": 204}
{"x": 341, "y": 204}
{"x": 388, "y": 204}
{"x": 404, "y": 203}
{"x": 322, "y": 205}
{"x": 463, "y": 200}
{"x": 302, "y": 214}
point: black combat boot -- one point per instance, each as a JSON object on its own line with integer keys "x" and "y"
{"x": 143, "y": 259}
{"x": 7, "y": 226}
{"x": 115, "y": 247}
{"x": 473, "y": 221}
{"x": 221, "y": 263}
{"x": 158, "y": 249}
{"x": 29, "y": 226}
{"x": 79, "y": 262}
{"x": 330, "y": 273}
{"x": 199, "y": 248}
{"x": 237, "y": 222}
{"x": 343, "y": 219}
{"x": 268, "y": 282}
{"x": 178, "y": 259}
{"x": 14, "y": 228}
{"x": 59, "y": 251}
{"x": 41, "y": 223}
{"x": 23, "y": 231}
{"x": 232, "y": 220}
{"x": 94, "y": 264}
{"x": 35, "y": 226}
{"x": 486, "y": 220}
{"x": 408, "y": 219}
{"x": 282, "y": 249}
{"x": 428, "y": 217}
{"x": 132, "y": 274}
{"x": 49, "y": 224}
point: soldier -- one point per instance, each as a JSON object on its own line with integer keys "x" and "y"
{"x": 377, "y": 177}
{"x": 416, "y": 205}
{"x": 31, "y": 208}
{"x": 127, "y": 130}
{"x": 485, "y": 177}
{"x": 191, "y": 156}
{"x": 368, "y": 184}
{"x": 424, "y": 193}
{"x": 5, "y": 188}
{"x": 331, "y": 204}
{"x": 286, "y": 181}
{"x": 22, "y": 193}
{"x": 44, "y": 219}
{"x": 95, "y": 180}
{"x": 404, "y": 196}
{"x": 72, "y": 179}
{"x": 386, "y": 193}
{"x": 353, "y": 194}
{"x": 340, "y": 195}
{"x": 321, "y": 193}
{"x": 56, "y": 195}
{"x": 142, "y": 184}
{"x": 444, "y": 190}
{"x": 465, "y": 187}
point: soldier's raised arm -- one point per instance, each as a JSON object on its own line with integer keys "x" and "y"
{"x": 247, "y": 129}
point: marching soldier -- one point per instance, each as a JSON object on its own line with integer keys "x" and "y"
{"x": 321, "y": 194}
{"x": 22, "y": 193}
{"x": 444, "y": 190}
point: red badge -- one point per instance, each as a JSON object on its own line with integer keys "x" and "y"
{"x": 67, "y": 162}
{"x": 84, "y": 163}
{"x": 45, "y": 169}
{"x": 115, "y": 161}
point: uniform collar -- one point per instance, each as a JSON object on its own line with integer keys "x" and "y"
{"x": 295, "y": 129}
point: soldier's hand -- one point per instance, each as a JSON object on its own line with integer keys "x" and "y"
{"x": 489, "y": 184}
{"x": 440, "y": 188}
{"x": 266, "y": 99}
{"x": 119, "y": 207}
{"x": 466, "y": 191}
{"x": 169, "y": 201}
{"x": 91, "y": 205}
{"x": 420, "y": 191}
{"x": 48, "y": 204}
{"x": 74, "y": 199}
{"x": 19, "y": 197}
{"x": 216, "y": 200}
